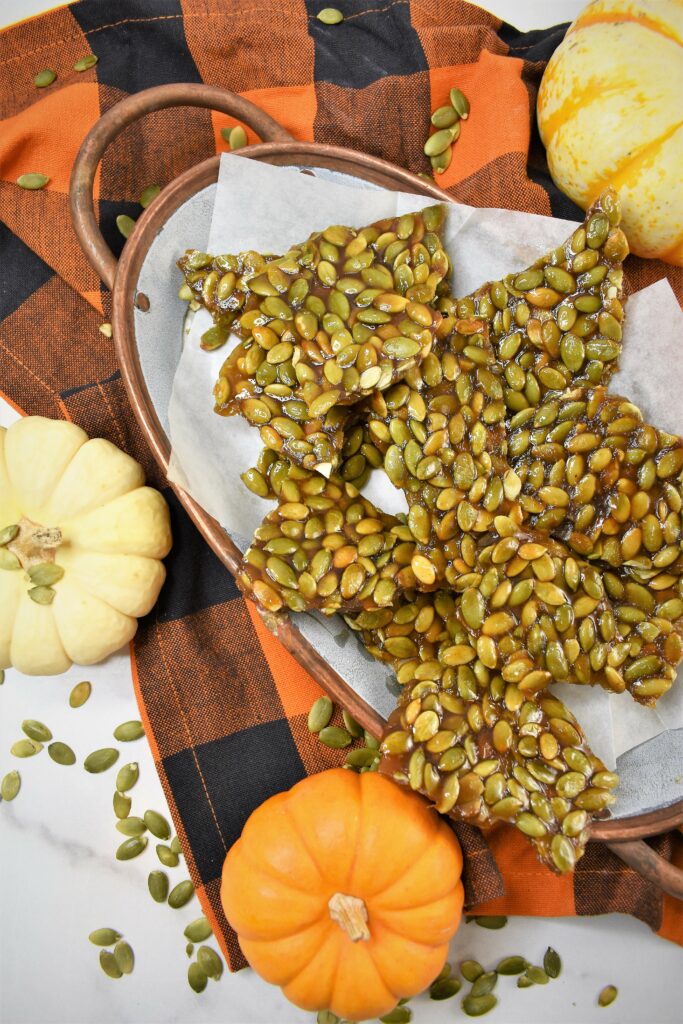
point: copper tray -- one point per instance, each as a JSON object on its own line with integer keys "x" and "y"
{"x": 623, "y": 835}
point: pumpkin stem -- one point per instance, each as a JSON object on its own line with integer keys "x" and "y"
{"x": 35, "y": 544}
{"x": 351, "y": 914}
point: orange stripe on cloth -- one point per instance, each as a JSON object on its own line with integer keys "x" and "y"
{"x": 531, "y": 889}
{"x": 672, "y": 909}
{"x": 294, "y": 107}
{"x": 499, "y": 121}
{"x": 46, "y": 136}
{"x": 149, "y": 732}
{"x": 296, "y": 688}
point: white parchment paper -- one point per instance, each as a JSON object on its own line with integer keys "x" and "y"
{"x": 270, "y": 208}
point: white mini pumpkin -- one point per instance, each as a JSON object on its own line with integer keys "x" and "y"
{"x": 81, "y": 507}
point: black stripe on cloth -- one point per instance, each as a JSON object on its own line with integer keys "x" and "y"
{"x": 116, "y": 375}
{"x": 375, "y": 39}
{"x": 22, "y": 272}
{"x": 538, "y": 44}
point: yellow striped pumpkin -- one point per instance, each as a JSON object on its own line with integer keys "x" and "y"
{"x": 610, "y": 112}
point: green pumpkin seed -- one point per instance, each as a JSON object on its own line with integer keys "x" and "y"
{"x": 552, "y": 964}
{"x": 484, "y": 984}
{"x": 122, "y": 805}
{"x": 198, "y": 930}
{"x": 10, "y": 786}
{"x": 536, "y": 975}
{"x": 444, "y": 117}
{"x": 131, "y": 826}
{"x": 32, "y": 181}
{"x": 42, "y": 595}
{"x": 493, "y": 923}
{"x": 124, "y": 957}
{"x": 471, "y": 969}
{"x": 80, "y": 694}
{"x": 607, "y": 995}
{"x": 444, "y": 988}
{"x": 2, "y": 676}
{"x": 25, "y": 748}
{"x": 85, "y": 63}
{"x": 45, "y": 574}
{"x": 8, "y": 560}
{"x": 61, "y": 753}
{"x": 320, "y": 714}
{"x": 148, "y": 194}
{"x": 215, "y": 337}
{"x": 132, "y": 847}
{"x": 524, "y": 982}
{"x": 127, "y": 776}
{"x": 196, "y": 978}
{"x": 104, "y": 937}
{"x": 36, "y": 730}
{"x": 167, "y": 857}
{"x": 511, "y": 965}
{"x": 189, "y": 948}
{"x": 210, "y": 962}
{"x": 101, "y": 760}
{"x": 334, "y": 737}
{"x": 460, "y": 103}
{"x": 236, "y": 137}
{"x": 157, "y": 824}
{"x": 352, "y": 725}
{"x": 330, "y": 16}
{"x": 44, "y": 78}
{"x": 362, "y": 757}
{"x": 157, "y": 883}
{"x": 477, "y": 1006}
{"x": 125, "y": 224}
{"x": 181, "y": 894}
{"x": 399, "y": 1015}
{"x": 175, "y": 846}
{"x": 128, "y": 731}
{"x": 326, "y": 1017}
{"x": 109, "y": 965}
{"x": 8, "y": 533}
{"x": 438, "y": 142}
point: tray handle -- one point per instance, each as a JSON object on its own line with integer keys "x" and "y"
{"x": 106, "y": 129}
{"x": 638, "y": 855}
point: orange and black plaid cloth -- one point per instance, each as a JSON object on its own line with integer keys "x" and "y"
{"x": 224, "y": 705}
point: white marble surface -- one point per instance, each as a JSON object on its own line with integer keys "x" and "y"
{"x": 59, "y": 878}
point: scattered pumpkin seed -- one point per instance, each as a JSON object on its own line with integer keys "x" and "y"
{"x": 352, "y": 725}
{"x": 124, "y": 957}
{"x": 148, "y": 194}
{"x": 32, "y": 181}
{"x": 196, "y": 977}
{"x": 42, "y": 595}
{"x": 537, "y": 975}
{"x": 166, "y": 855}
{"x": 157, "y": 824}
{"x": 320, "y": 714}
{"x": 607, "y": 995}
{"x": 471, "y": 970}
{"x": 438, "y": 142}
{"x": 335, "y": 737}
{"x": 552, "y": 964}
{"x": 61, "y": 753}
{"x": 477, "y": 1006}
{"x": 444, "y": 988}
{"x": 362, "y": 757}
{"x": 237, "y": 137}
{"x": 484, "y": 984}
{"x": 399, "y": 1015}
{"x": 444, "y": 117}
{"x": 370, "y": 740}
{"x": 157, "y": 883}
{"x": 25, "y": 748}
{"x": 106, "y": 330}
{"x": 125, "y": 224}
{"x": 2, "y": 676}
{"x": 215, "y": 337}
{"x": 330, "y": 16}
{"x": 460, "y": 103}
{"x": 10, "y": 785}
{"x": 8, "y": 533}
{"x": 131, "y": 848}
{"x": 45, "y": 574}
{"x": 101, "y": 760}
{"x": 326, "y": 1017}
{"x": 491, "y": 922}
{"x": 198, "y": 930}
{"x": 85, "y": 63}
{"x": 175, "y": 846}
{"x": 131, "y": 826}
{"x": 128, "y": 731}
{"x": 122, "y": 804}
{"x": 44, "y": 78}
{"x": 127, "y": 776}
{"x": 181, "y": 894}
{"x": 511, "y": 965}
{"x": 8, "y": 560}
{"x": 104, "y": 937}
{"x": 210, "y": 962}
{"x": 80, "y": 694}
{"x": 36, "y": 730}
{"x": 524, "y": 982}
{"x": 109, "y": 965}
{"x": 189, "y": 948}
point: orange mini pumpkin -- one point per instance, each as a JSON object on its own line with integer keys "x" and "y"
{"x": 345, "y": 891}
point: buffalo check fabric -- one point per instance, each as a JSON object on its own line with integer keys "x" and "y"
{"x": 223, "y": 703}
